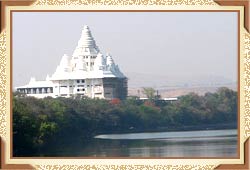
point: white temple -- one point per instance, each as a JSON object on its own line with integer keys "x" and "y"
{"x": 86, "y": 73}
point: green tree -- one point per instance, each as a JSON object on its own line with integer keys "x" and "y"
{"x": 25, "y": 129}
{"x": 149, "y": 92}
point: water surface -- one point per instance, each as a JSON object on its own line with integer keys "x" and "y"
{"x": 206, "y": 143}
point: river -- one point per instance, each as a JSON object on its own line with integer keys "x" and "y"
{"x": 206, "y": 143}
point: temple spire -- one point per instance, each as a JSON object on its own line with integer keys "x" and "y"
{"x": 86, "y": 43}
{"x": 87, "y": 40}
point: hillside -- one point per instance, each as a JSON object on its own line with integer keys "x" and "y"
{"x": 174, "y": 86}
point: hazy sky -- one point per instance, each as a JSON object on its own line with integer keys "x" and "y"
{"x": 163, "y": 43}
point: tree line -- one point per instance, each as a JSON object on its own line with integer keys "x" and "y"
{"x": 42, "y": 125}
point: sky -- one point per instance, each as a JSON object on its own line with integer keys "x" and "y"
{"x": 157, "y": 43}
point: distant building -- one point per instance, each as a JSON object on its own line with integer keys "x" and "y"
{"x": 86, "y": 73}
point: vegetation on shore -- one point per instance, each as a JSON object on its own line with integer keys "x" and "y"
{"x": 40, "y": 125}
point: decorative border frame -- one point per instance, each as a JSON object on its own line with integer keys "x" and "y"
{"x": 4, "y": 65}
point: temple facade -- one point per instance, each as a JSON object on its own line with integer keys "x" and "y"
{"x": 86, "y": 73}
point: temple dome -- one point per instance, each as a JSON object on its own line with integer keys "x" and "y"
{"x": 65, "y": 64}
{"x": 110, "y": 60}
{"x": 99, "y": 62}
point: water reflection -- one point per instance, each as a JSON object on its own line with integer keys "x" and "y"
{"x": 209, "y": 147}
{"x": 164, "y": 144}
